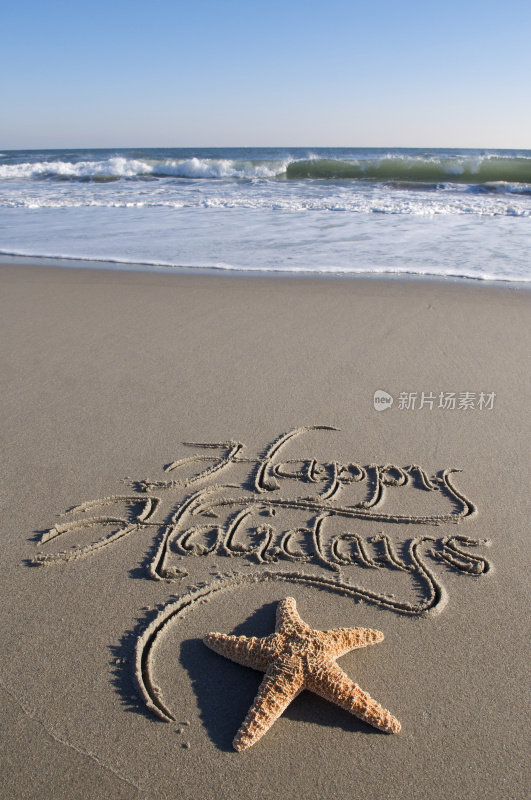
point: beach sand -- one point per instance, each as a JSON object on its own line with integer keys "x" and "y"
{"x": 105, "y": 375}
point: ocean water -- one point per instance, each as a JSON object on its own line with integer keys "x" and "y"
{"x": 463, "y": 213}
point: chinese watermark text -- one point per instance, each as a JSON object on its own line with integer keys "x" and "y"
{"x": 445, "y": 401}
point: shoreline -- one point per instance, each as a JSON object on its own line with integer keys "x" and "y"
{"x": 123, "y": 266}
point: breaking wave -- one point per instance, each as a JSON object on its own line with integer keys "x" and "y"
{"x": 406, "y": 169}
{"x": 122, "y": 167}
{"x": 489, "y": 172}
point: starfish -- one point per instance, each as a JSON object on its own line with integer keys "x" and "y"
{"x": 294, "y": 658}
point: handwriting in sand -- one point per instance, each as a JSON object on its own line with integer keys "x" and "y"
{"x": 244, "y": 517}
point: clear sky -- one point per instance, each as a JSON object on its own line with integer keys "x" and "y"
{"x": 411, "y": 73}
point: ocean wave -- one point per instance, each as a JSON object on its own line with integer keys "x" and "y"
{"x": 218, "y": 168}
{"x": 122, "y": 167}
{"x": 488, "y": 172}
{"x": 117, "y": 167}
{"x": 415, "y": 169}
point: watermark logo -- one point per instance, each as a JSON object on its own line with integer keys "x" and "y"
{"x": 445, "y": 401}
{"x": 382, "y": 400}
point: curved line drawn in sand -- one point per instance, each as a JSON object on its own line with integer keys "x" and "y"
{"x": 192, "y": 528}
{"x": 173, "y": 612}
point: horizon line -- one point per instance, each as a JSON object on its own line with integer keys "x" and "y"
{"x": 262, "y": 147}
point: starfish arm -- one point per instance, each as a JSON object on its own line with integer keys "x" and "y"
{"x": 250, "y": 651}
{"x": 278, "y": 688}
{"x": 342, "y": 640}
{"x": 330, "y": 682}
{"x": 288, "y": 620}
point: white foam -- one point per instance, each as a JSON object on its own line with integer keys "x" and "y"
{"x": 493, "y": 204}
{"x": 121, "y": 167}
{"x": 218, "y": 168}
{"x": 115, "y": 167}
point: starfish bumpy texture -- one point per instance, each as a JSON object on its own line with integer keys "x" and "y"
{"x": 294, "y": 658}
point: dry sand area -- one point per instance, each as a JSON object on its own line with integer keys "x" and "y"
{"x": 125, "y": 539}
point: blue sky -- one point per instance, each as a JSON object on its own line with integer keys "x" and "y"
{"x": 204, "y": 73}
